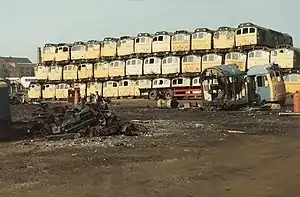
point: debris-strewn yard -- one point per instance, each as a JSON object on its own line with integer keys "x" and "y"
{"x": 185, "y": 153}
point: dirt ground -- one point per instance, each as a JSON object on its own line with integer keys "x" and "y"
{"x": 186, "y": 153}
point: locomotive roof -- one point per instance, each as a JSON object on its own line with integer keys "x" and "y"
{"x": 225, "y": 28}
{"x": 204, "y": 29}
{"x": 163, "y": 33}
{"x": 249, "y": 24}
{"x": 182, "y": 31}
{"x": 126, "y": 37}
{"x": 226, "y": 70}
{"x": 262, "y": 69}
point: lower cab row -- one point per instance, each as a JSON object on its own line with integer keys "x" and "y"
{"x": 176, "y": 87}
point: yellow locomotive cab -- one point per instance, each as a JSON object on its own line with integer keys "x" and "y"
{"x": 63, "y": 52}
{"x": 181, "y": 41}
{"x": 161, "y": 42}
{"x": 286, "y": 58}
{"x": 101, "y": 69}
{"x": 48, "y": 91}
{"x": 109, "y": 47}
{"x": 48, "y": 54}
{"x": 191, "y": 64}
{"x": 211, "y": 60}
{"x": 93, "y": 87}
{"x": 85, "y": 71}
{"x": 240, "y": 59}
{"x": 70, "y": 72}
{"x": 126, "y": 88}
{"x": 110, "y": 89}
{"x": 258, "y": 57}
{"x": 78, "y": 51}
{"x": 93, "y": 49}
{"x": 35, "y": 91}
{"x": 292, "y": 83}
{"x": 224, "y": 38}
{"x": 140, "y": 84}
{"x": 143, "y": 43}
{"x": 42, "y": 72}
{"x": 55, "y": 73}
{"x": 61, "y": 91}
{"x": 116, "y": 68}
{"x": 125, "y": 46}
{"x": 202, "y": 39}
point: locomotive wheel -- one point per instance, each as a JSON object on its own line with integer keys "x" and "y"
{"x": 152, "y": 95}
{"x": 168, "y": 94}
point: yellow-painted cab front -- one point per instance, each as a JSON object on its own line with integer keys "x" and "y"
{"x": 286, "y": 58}
{"x": 258, "y": 57}
{"x": 116, "y": 68}
{"x": 48, "y": 91}
{"x": 63, "y": 52}
{"x": 292, "y": 83}
{"x": 181, "y": 41}
{"x": 101, "y": 69}
{"x": 202, "y": 39}
{"x": 93, "y": 49}
{"x": 61, "y": 91}
{"x": 125, "y": 46}
{"x": 246, "y": 35}
{"x": 93, "y": 87}
{"x": 48, "y": 54}
{"x": 191, "y": 64}
{"x": 109, "y": 47}
{"x": 143, "y": 43}
{"x": 141, "y": 84}
{"x": 224, "y": 38}
{"x": 85, "y": 71}
{"x": 126, "y": 88}
{"x": 111, "y": 89}
{"x": 78, "y": 51}
{"x": 70, "y": 72}
{"x": 42, "y": 72}
{"x": 161, "y": 42}
{"x": 35, "y": 91}
{"x": 55, "y": 73}
{"x": 240, "y": 59}
{"x": 211, "y": 60}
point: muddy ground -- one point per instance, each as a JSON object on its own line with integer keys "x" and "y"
{"x": 186, "y": 153}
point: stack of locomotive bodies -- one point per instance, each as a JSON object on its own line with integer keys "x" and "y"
{"x": 168, "y": 63}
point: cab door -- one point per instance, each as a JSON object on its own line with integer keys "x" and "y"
{"x": 263, "y": 88}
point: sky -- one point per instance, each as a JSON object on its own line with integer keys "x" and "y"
{"x": 29, "y": 24}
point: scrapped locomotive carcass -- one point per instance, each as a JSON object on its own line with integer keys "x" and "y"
{"x": 85, "y": 119}
{"x": 223, "y": 86}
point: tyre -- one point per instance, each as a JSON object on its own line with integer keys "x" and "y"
{"x": 152, "y": 95}
{"x": 168, "y": 94}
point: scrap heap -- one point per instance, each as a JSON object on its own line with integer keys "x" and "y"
{"x": 84, "y": 120}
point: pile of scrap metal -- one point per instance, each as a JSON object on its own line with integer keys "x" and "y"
{"x": 84, "y": 120}
{"x": 17, "y": 98}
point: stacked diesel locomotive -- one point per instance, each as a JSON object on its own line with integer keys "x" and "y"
{"x": 164, "y": 64}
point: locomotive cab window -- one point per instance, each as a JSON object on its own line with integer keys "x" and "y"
{"x": 260, "y": 80}
{"x": 251, "y": 30}
{"x": 161, "y": 82}
{"x": 151, "y": 61}
{"x": 160, "y": 38}
{"x": 239, "y": 32}
{"x": 180, "y": 81}
{"x": 174, "y": 82}
{"x": 65, "y": 49}
{"x": 125, "y": 83}
{"x": 115, "y": 84}
{"x": 245, "y": 30}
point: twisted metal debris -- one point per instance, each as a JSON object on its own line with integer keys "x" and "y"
{"x": 84, "y": 120}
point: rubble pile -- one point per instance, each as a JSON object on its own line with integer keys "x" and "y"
{"x": 84, "y": 120}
